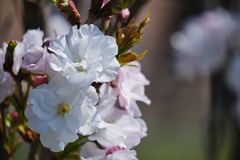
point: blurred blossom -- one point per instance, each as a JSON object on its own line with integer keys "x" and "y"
{"x": 233, "y": 76}
{"x": 57, "y": 26}
{"x": 201, "y": 47}
{"x": 2, "y": 57}
{"x": 6, "y": 86}
{"x": 6, "y": 81}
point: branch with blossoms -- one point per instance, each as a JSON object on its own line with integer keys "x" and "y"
{"x": 82, "y": 87}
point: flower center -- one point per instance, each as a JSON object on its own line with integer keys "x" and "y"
{"x": 81, "y": 66}
{"x": 64, "y": 109}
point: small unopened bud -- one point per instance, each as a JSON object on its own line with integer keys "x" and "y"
{"x": 68, "y": 8}
{"x": 15, "y": 117}
{"x": 39, "y": 80}
{"x": 115, "y": 6}
{"x": 9, "y": 56}
{"x": 121, "y": 18}
{"x": 123, "y": 15}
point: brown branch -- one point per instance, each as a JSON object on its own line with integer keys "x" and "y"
{"x": 34, "y": 149}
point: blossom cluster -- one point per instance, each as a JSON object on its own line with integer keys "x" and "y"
{"x": 69, "y": 105}
{"x": 82, "y": 86}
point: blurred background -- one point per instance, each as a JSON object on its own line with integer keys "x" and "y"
{"x": 178, "y": 117}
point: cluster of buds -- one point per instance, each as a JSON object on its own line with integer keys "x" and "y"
{"x": 68, "y": 8}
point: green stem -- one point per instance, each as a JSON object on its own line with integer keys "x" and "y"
{"x": 20, "y": 93}
{"x": 28, "y": 89}
{"x": 54, "y": 1}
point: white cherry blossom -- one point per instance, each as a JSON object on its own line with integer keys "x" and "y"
{"x": 85, "y": 55}
{"x": 59, "y": 110}
{"x": 6, "y": 86}
{"x": 6, "y": 81}
{"x": 31, "y": 37}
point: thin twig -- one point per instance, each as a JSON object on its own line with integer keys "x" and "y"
{"x": 4, "y": 127}
{"x": 3, "y": 106}
{"x": 20, "y": 93}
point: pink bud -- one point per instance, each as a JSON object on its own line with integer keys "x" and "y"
{"x": 15, "y": 117}
{"x": 113, "y": 149}
{"x": 104, "y": 3}
{"x": 39, "y": 80}
{"x": 124, "y": 14}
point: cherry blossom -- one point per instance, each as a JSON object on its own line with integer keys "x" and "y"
{"x": 130, "y": 82}
{"x": 118, "y": 128}
{"x": 31, "y": 37}
{"x": 58, "y": 111}
{"x": 201, "y": 47}
{"x": 36, "y": 60}
{"x": 85, "y": 55}
{"x": 6, "y": 81}
{"x": 90, "y": 151}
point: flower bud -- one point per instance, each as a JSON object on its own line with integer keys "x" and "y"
{"x": 123, "y": 15}
{"x": 39, "y": 80}
{"x": 68, "y": 8}
{"x": 121, "y": 18}
{"x": 115, "y": 6}
{"x": 15, "y": 117}
{"x": 9, "y": 56}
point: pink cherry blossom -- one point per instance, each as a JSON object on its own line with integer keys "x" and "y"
{"x": 117, "y": 127}
{"x": 31, "y": 37}
{"x": 36, "y": 60}
{"x": 130, "y": 82}
{"x": 90, "y": 151}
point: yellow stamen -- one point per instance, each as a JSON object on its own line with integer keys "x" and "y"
{"x": 64, "y": 109}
